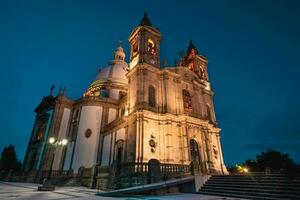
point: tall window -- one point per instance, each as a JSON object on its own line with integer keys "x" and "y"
{"x": 187, "y": 100}
{"x": 119, "y": 154}
{"x": 194, "y": 151}
{"x": 151, "y": 96}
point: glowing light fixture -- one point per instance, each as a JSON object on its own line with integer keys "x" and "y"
{"x": 51, "y": 140}
{"x": 64, "y": 142}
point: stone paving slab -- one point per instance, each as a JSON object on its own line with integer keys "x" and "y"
{"x": 28, "y": 191}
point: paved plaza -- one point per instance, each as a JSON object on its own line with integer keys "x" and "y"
{"x": 28, "y": 191}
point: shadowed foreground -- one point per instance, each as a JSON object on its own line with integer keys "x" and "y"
{"x": 26, "y": 191}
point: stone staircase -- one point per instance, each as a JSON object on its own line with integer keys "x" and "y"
{"x": 253, "y": 186}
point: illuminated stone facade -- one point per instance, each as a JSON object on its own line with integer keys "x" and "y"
{"x": 132, "y": 113}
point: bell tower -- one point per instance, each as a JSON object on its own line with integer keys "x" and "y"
{"x": 195, "y": 62}
{"x": 145, "y": 44}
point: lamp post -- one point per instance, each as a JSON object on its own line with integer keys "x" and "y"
{"x": 54, "y": 143}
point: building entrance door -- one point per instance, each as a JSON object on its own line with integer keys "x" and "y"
{"x": 119, "y": 156}
{"x": 195, "y": 155}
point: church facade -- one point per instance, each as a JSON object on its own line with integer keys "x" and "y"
{"x": 132, "y": 113}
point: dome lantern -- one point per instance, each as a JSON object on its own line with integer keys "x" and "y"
{"x": 119, "y": 54}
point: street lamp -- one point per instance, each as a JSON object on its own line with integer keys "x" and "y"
{"x": 246, "y": 170}
{"x": 54, "y": 143}
{"x": 64, "y": 142}
{"x": 51, "y": 140}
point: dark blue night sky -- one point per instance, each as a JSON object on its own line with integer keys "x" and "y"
{"x": 252, "y": 46}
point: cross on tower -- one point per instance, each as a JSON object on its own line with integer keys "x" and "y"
{"x": 52, "y": 89}
{"x": 120, "y": 43}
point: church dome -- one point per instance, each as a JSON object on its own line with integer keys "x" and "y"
{"x": 116, "y": 71}
{"x": 113, "y": 75}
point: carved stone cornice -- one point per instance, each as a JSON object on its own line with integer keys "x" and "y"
{"x": 65, "y": 102}
{"x": 97, "y": 101}
{"x": 115, "y": 125}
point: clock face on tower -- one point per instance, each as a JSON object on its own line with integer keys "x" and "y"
{"x": 151, "y": 48}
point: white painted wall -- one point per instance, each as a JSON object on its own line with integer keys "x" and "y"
{"x": 106, "y": 150}
{"x": 112, "y": 113}
{"x": 68, "y": 158}
{"x": 86, "y": 148}
{"x": 61, "y": 134}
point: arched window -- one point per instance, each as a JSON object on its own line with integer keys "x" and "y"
{"x": 187, "y": 100}
{"x": 119, "y": 155}
{"x": 119, "y": 147}
{"x": 152, "y": 97}
{"x": 194, "y": 151}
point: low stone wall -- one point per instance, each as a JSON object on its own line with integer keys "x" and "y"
{"x": 111, "y": 177}
{"x": 134, "y": 174}
{"x": 18, "y": 176}
{"x": 87, "y": 176}
{"x": 103, "y": 178}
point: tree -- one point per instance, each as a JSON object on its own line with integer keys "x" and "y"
{"x": 9, "y": 160}
{"x": 275, "y": 160}
{"x": 251, "y": 165}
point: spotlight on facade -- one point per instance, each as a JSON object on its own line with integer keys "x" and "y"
{"x": 64, "y": 142}
{"x": 51, "y": 140}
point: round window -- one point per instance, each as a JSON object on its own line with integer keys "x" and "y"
{"x": 88, "y": 133}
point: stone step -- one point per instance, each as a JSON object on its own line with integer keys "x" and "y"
{"x": 255, "y": 178}
{"x": 254, "y": 189}
{"x": 215, "y": 193}
{"x": 275, "y": 187}
{"x": 254, "y": 175}
{"x": 256, "y": 182}
{"x": 254, "y": 194}
{"x": 249, "y": 176}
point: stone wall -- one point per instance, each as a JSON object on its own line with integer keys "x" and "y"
{"x": 87, "y": 176}
{"x": 134, "y": 174}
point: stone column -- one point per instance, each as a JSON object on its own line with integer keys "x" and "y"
{"x": 169, "y": 145}
{"x": 208, "y": 150}
{"x": 223, "y": 167}
{"x": 184, "y": 145}
{"x": 139, "y": 138}
{"x": 204, "y": 150}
